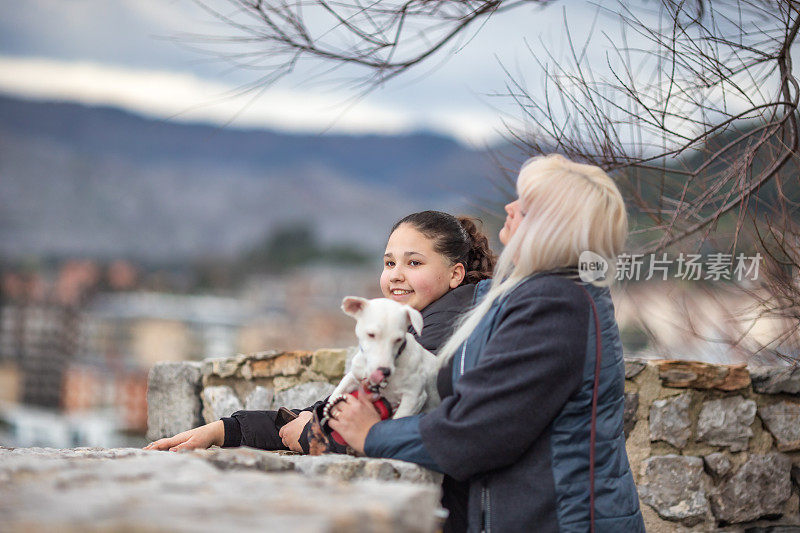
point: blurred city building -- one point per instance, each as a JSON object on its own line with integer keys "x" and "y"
{"x": 302, "y": 309}
{"x": 77, "y": 342}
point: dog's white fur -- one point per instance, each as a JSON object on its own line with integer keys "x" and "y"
{"x": 381, "y": 327}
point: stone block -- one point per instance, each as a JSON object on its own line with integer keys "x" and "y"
{"x": 281, "y": 383}
{"x": 348, "y": 468}
{"x": 246, "y": 370}
{"x": 266, "y": 354}
{"x": 223, "y": 367}
{"x": 259, "y": 399}
{"x": 337, "y": 466}
{"x": 726, "y": 422}
{"x": 303, "y": 395}
{"x": 783, "y": 421}
{"x": 309, "y": 375}
{"x": 669, "y": 420}
{"x": 763, "y": 528}
{"x": 717, "y": 464}
{"x": 758, "y": 489}
{"x": 329, "y": 363}
{"x": 633, "y": 368}
{"x": 696, "y": 375}
{"x": 218, "y": 402}
{"x": 776, "y": 380}
{"x": 173, "y": 398}
{"x": 213, "y": 490}
{"x": 673, "y": 486}
{"x": 284, "y": 364}
{"x": 244, "y": 458}
{"x": 629, "y": 413}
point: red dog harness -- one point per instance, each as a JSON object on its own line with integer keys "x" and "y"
{"x": 381, "y": 405}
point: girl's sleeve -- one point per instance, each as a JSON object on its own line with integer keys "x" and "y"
{"x": 233, "y": 432}
{"x": 530, "y": 366}
{"x": 256, "y": 429}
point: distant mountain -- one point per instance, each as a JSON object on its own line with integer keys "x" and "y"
{"x": 104, "y": 182}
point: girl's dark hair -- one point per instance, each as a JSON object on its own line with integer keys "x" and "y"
{"x": 456, "y": 238}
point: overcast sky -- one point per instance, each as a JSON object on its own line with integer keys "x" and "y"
{"x": 130, "y": 53}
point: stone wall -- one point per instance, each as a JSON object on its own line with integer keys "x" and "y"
{"x": 240, "y": 489}
{"x": 711, "y": 447}
{"x": 181, "y": 396}
{"x": 714, "y": 447}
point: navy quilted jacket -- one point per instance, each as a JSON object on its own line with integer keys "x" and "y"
{"x": 517, "y": 426}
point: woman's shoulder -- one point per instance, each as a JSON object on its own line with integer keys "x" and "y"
{"x": 548, "y": 304}
{"x": 559, "y": 284}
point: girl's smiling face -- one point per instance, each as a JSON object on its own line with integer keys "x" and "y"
{"x": 413, "y": 272}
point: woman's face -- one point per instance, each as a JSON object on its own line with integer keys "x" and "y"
{"x": 413, "y": 272}
{"x": 514, "y": 216}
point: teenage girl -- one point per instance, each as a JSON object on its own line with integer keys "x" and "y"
{"x": 432, "y": 263}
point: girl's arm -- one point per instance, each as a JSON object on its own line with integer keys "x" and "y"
{"x": 530, "y": 367}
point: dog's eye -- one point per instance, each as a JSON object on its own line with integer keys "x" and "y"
{"x": 397, "y": 341}
{"x": 371, "y": 335}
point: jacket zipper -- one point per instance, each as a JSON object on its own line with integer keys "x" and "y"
{"x": 486, "y": 510}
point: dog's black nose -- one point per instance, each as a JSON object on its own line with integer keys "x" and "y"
{"x": 385, "y": 370}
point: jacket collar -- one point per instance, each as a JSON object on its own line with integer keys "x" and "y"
{"x": 459, "y": 298}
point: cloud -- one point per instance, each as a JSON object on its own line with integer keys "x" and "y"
{"x": 186, "y": 97}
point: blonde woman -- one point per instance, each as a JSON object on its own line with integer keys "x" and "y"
{"x": 533, "y": 424}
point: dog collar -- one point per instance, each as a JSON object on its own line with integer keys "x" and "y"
{"x": 402, "y": 347}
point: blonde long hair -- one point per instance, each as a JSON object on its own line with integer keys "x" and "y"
{"x": 569, "y": 208}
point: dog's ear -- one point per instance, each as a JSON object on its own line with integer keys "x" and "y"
{"x": 353, "y": 305}
{"x": 414, "y": 318}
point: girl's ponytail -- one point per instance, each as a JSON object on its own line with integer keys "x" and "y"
{"x": 480, "y": 258}
{"x": 458, "y": 239}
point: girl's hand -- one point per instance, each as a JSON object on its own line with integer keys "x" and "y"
{"x": 353, "y": 418}
{"x": 201, "y": 437}
{"x": 290, "y": 432}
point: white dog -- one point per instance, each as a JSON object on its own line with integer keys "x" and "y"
{"x": 389, "y": 360}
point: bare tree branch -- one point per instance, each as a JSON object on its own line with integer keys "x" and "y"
{"x": 694, "y": 109}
